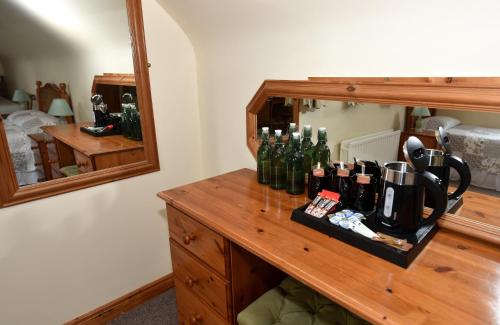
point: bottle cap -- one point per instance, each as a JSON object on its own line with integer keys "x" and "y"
{"x": 322, "y": 129}
{"x": 265, "y": 129}
{"x": 296, "y": 135}
{"x": 293, "y": 124}
{"x": 277, "y": 133}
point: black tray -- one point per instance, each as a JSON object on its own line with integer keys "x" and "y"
{"x": 99, "y": 134}
{"x": 389, "y": 253}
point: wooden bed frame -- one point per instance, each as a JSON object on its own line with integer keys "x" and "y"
{"x": 45, "y": 94}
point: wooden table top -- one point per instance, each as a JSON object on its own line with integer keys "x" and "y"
{"x": 88, "y": 145}
{"x": 454, "y": 280}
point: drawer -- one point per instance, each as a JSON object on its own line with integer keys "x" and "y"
{"x": 192, "y": 311}
{"x": 198, "y": 279}
{"x": 83, "y": 162}
{"x": 204, "y": 243}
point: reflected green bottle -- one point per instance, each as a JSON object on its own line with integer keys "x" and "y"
{"x": 292, "y": 127}
{"x": 264, "y": 158}
{"x": 278, "y": 167}
{"x": 295, "y": 179}
{"x": 307, "y": 148}
{"x": 321, "y": 153}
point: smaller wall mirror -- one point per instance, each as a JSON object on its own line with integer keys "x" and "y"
{"x": 76, "y": 125}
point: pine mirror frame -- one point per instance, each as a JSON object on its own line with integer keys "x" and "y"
{"x": 477, "y": 94}
{"x": 11, "y": 193}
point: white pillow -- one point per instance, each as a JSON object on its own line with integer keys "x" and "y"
{"x": 434, "y": 122}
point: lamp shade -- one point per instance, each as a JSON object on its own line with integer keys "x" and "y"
{"x": 20, "y": 96}
{"x": 60, "y": 107}
{"x": 421, "y": 111}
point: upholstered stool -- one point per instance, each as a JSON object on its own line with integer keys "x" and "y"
{"x": 70, "y": 170}
{"x": 292, "y": 303}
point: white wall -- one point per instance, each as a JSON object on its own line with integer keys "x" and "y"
{"x": 63, "y": 256}
{"x": 98, "y": 43}
{"x": 344, "y": 122}
{"x": 240, "y": 43}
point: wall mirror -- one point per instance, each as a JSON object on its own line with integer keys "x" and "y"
{"x": 75, "y": 99}
{"x": 370, "y": 118}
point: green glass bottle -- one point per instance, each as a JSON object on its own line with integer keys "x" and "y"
{"x": 295, "y": 179}
{"x": 321, "y": 151}
{"x": 292, "y": 127}
{"x": 307, "y": 148}
{"x": 264, "y": 158}
{"x": 278, "y": 166}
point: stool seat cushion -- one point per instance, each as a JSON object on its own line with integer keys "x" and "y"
{"x": 293, "y": 303}
{"x": 71, "y": 170}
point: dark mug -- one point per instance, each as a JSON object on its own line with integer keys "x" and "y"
{"x": 316, "y": 184}
{"x": 342, "y": 184}
{"x": 364, "y": 193}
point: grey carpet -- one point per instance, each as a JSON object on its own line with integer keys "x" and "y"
{"x": 160, "y": 310}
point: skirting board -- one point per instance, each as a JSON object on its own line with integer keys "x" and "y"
{"x": 113, "y": 309}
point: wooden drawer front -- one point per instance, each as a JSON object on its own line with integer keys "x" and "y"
{"x": 213, "y": 289}
{"x": 83, "y": 162}
{"x": 204, "y": 243}
{"x": 193, "y": 311}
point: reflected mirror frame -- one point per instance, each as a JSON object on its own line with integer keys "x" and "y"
{"x": 11, "y": 193}
{"x": 477, "y": 94}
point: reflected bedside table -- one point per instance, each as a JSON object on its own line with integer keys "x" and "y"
{"x": 427, "y": 137}
{"x": 42, "y": 140}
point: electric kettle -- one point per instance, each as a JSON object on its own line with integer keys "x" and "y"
{"x": 440, "y": 162}
{"x": 402, "y": 191}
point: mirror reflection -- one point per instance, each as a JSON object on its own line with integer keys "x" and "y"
{"x": 376, "y": 132}
{"x": 67, "y": 88}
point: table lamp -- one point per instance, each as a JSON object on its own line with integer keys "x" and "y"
{"x": 20, "y": 96}
{"x": 59, "y": 107}
{"x": 420, "y": 112}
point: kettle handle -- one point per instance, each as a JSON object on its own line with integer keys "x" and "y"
{"x": 436, "y": 189}
{"x": 465, "y": 177}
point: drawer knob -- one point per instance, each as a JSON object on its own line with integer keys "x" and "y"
{"x": 188, "y": 239}
{"x": 195, "y": 320}
{"x": 190, "y": 282}
{"x": 351, "y": 88}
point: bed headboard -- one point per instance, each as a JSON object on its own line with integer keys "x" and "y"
{"x": 45, "y": 95}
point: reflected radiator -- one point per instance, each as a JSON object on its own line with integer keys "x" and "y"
{"x": 381, "y": 146}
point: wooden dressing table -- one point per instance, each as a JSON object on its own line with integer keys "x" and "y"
{"x": 93, "y": 153}
{"x": 232, "y": 239}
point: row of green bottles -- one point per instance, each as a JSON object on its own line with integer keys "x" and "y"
{"x": 280, "y": 165}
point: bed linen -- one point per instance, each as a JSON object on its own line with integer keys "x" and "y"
{"x": 18, "y": 126}
{"x": 7, "y": 107}
{"x": 480, "y": 147}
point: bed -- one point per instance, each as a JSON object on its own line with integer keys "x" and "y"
{"x": 20, "y": 124}
{"x": 7, "y": 107}
{"x": 477, "y": 145}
